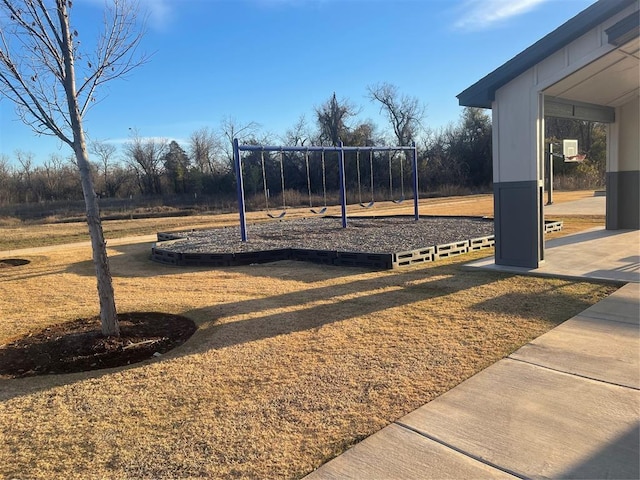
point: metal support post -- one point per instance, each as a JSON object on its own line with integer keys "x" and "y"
{"x": 550, "y": 176}
{"x": 240, "y": 190}
{"x": 416, "y": 213}
{"x": 343, "y": 188}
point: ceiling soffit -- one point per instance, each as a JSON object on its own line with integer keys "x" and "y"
{"x": 610, "y": 81}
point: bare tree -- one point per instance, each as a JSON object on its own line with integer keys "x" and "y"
{"x": 204, "y": 144}
{"x": 145, "y": 155}
{"x": 332, "y": 119}
{"x": 298, "y": 134}
{"x": 231, "y": 129}
{"x": 53, "y": 175}
{"x": 5, "y": 179}
{"x": 405, "y": 113}
{"x": 52, "y": 82}
{"x": 25, "y": 159}
{"x": 104, "y": 152}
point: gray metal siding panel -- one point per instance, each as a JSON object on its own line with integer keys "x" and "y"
{"x": 623, "y": 200}
{"x": 517, "y": 224}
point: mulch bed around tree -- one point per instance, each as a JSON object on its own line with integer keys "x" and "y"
{"x": 79, "y": 345}
{"x": 13, "y": 262}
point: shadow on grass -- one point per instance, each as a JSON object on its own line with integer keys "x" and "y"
{"x": 315, "y": 307}
{"x": 324, "y": 306}
{"x": 528, "y": 306}
{"x": 34, "y": 267}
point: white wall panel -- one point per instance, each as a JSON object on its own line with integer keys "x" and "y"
{"x": 629, "y": 141}
{"x": 515, "y": 151}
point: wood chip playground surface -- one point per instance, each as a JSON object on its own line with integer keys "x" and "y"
{"x": 369, "y": 242}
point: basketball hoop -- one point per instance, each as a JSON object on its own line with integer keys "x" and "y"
{"x": 570, "y": 151}
{"x": 575, "y": 159}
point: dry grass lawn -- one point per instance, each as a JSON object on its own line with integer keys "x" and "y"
{"x": 292, "y": 362}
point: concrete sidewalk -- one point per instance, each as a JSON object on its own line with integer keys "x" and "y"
{"x": 566, "y": 405}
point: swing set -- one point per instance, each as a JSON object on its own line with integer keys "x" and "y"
{"x": 340, "y": 150}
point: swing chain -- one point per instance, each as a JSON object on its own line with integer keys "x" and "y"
{"x": 360, "y": 202}
{"x": 266, "y": 189}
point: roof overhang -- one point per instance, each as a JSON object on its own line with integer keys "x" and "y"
{"x": 625, "y": 30}
{"x": 482, "y": 93}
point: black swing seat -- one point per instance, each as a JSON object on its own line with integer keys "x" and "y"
{"x": 368, "y": 205}
{"x": 319, "y": 212}
{"x": 400, "y": 200}
{"x": 280, "y": 215}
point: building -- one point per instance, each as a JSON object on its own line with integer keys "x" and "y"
{"x": 587, "y": 69}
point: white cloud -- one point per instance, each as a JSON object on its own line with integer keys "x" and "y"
{"x": 159, "y": 12}
{"x": 484, "y": 14}
{"x": 123, "y": 140}
{"x": 292, "y": 3}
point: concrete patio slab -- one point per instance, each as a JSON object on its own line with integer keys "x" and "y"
{"x": 399, "y": 453}
{"x": 599, "y": 349}
{"x": 538, "y": 423}
{"x": 596, "y": 205}
{"x": 597, "y": 254}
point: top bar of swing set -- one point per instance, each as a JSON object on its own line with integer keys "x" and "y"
{"x": 272, "y": 148}
{"x": 237, "y": 148}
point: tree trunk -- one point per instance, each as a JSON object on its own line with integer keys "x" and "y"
{"x": 108, "y": 314}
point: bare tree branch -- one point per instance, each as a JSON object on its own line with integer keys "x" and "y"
{"x": 405, "y": 113}
{"x": 204, "y": 147}
{"x": 116, "y": 53}
{"x": 231, "y": 129}
{"x": 32, "y": 72}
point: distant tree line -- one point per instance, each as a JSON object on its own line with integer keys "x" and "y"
{"x": 203, "y": 166}
{"x": 454, "y": 159}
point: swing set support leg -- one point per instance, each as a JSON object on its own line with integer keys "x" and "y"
{"x": 414, "y": 154}
{"x": 240, "y": 190}
{"x": 343, "y": 189}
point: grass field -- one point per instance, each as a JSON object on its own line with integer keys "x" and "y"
{"x": 292, "y": 362}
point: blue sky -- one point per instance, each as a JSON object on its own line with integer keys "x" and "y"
{"x": 271, "y": 61}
